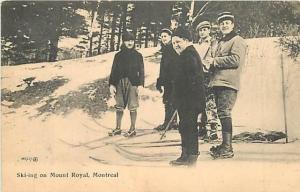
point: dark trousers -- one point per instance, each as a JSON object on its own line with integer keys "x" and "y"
{"x": 188, "y": 130}
{"x": 169, "y": 111}
{"x": 225, "y": 100}
{"x": 169, "y": 103}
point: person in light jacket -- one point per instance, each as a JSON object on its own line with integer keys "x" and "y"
{"x": 206, "y": 47}
{"x": 226, "y": 67}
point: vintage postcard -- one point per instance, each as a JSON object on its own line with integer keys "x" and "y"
{"x": 150, "y": 96}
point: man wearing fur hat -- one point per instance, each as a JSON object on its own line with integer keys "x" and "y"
{"x": 206, "y": 47}
{"x": 127, "y": 74}
{"x": 165, "y": 82}
{"x": 189, "y": 95}
{"x": 226, "y": 66}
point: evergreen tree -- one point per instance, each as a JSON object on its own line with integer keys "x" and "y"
{"x": 32, "y": 29}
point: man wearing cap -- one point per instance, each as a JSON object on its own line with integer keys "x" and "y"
{"x": 165, "y": 82}
{"x": 226, "y": 66}
{"x": 127, "y": 74}
{"x": 206, "y": 47}
{"x": 189, "y": 95}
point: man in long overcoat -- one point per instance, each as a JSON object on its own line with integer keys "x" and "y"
{"x": 189, "y": 95}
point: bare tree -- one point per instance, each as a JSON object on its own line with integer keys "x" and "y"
{"x": 113, "y": 30}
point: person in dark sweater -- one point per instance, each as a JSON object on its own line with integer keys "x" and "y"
{"x": 127, "y": 74}
{"x": 165, "y": 81}
{"x": 189, "y": 95}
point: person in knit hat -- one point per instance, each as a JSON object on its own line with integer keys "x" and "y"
{"x": 127, "y": 36}
{"x": 205, "y": 47}
{"x": 226, "y": 67}
{"x": 165, "y": 81}
{"x": 127, "y": 74}
{"x": 189, "y": 95}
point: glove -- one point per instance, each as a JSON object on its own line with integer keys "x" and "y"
{"x": 206, "y": 66}
{"x": 112, "y": 90}
{"x": 209, "y": 61}
{"x": 211, "y": 69}
{"x": 159, "y": 86}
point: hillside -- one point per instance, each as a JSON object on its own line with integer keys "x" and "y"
{"x": 80, "y": 85}
{"x": 61, "y": 113}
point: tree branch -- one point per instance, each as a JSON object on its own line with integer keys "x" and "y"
{"x": 201, "y": 11}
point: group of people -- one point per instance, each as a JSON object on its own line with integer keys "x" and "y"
{"x": 199, "y": 83}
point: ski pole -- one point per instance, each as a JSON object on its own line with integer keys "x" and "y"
{"x": 163, "y": 134}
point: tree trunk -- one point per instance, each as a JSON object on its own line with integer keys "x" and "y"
{"x": 113, "y": 30}
{"x": 100, "y": 39}
{"x": 107, "y": 42}
{"x": 53, "y": 49}
{"x": 124, "y": 7}
{"x": 93, "y": 15}
{"x": 192, "y": 10}
{"x": 200, "y": 12}
{"x": 146, "y": 36}
{"x": 155, "y": 40}
{"x": 119, "y": 35}
{"x": 139, "y": 37}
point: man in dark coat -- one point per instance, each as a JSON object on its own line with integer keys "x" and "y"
{"x": 189, "y": 95}
{"x": 127, "y": 74}
{"x": 226, "y": 66}
{"x": 165, "y": 82}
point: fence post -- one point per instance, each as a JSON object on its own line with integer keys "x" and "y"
{"x": 284, "y": 97}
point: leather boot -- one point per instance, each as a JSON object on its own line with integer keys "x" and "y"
{"x": 225, "y": 150}
{"x": 227, "y": 138}
{"x": 192, "y": 160}
{"x": 182, "y": 159}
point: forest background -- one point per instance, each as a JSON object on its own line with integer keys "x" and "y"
{"x": 38, "y": 31}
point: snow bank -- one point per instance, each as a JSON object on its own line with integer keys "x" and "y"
{"x": 259, "y": 105}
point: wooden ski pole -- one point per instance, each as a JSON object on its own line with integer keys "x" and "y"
{"x": 163, "y": 134}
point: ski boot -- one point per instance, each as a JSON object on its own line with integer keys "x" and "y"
{"x": 130, "y": 133}
{"x": 116, "y": 131}
{"x": 160, "y": 127}
{"x": 187, "y": 160}
{"x": 225, "y": 149}
{"x": 180, "y": 160}
{"x": 222, "y": 152}
{"x": 192, "y": 160}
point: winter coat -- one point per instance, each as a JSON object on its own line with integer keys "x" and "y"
{"x": 168, "y": 60}
{"x": 189, "y": 82}
{"x": 228, "y": 62}
{"x": 167, "y": 71}
{"x": 127, "y": 63}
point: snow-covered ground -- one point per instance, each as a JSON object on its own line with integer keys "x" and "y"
{"x": 259, "y": 106}
{"x": 77, "y": 141}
